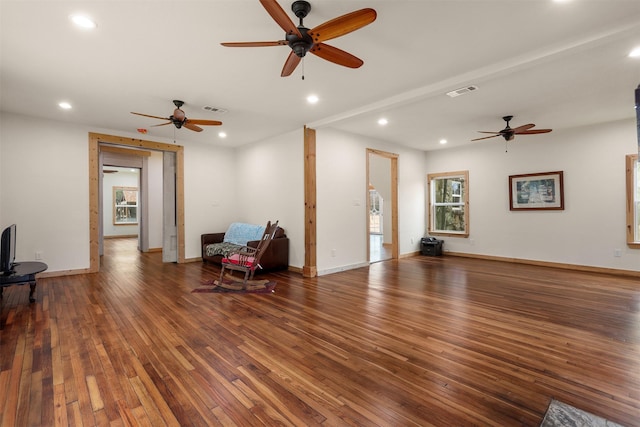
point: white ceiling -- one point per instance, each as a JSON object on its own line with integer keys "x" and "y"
{"x": 558, "y": 65}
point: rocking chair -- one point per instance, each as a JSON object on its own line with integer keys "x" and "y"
{"x": 247, "y": 259}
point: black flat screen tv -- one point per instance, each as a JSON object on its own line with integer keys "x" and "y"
{"x": 8, "y": 249}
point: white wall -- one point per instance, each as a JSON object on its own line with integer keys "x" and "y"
{"x": 342, "y": 189}
{"x": 586, "y": 232}
{"x": 45, "y": 189}
{"x": 2, "y": 221}
{"x": 271, "y": 187}
{"x": 272, "y": 173}
{"x": 210, "y": 193}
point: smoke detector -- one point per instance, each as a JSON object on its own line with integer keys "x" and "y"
{"x": 462, "y": 91}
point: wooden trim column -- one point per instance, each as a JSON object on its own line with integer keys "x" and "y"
{"x": 630, "y": 164}
{"x": 310, "y": 268}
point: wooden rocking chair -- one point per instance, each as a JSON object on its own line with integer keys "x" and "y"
{"x": 247, "y": 259}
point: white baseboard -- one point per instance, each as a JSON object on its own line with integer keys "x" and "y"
{"x": 342, "y": 268}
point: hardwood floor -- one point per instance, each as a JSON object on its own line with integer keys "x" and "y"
{"x": 441, "y": 341}
{"x": 378, "y": 251}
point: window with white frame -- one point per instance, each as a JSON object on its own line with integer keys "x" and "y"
{"x": 449, "y": 203}
{"x": 375, "y": 212}
{"x": 125, "y": 209}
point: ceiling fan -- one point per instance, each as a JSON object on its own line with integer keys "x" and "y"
{"x": 509, "y": 133}
{"x": 179, "y": 119}
{"x": 302, "y": 39}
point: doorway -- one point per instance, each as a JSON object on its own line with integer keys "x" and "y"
{"x": 379, "y": 242}
{"x": 382, "y": 205}
{"x": 121, "y": 203}
{"x": 117, "y": 166}
{"x": 176, "y": 152}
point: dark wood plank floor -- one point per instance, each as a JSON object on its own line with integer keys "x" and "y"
{"x": 441, "y": 341}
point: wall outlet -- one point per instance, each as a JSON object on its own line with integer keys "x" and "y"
{"x": 38, "y": 255}
{"x": 412, "y": 240}
{"x": 617, "y": 252}
{"x": 333, "y": 253}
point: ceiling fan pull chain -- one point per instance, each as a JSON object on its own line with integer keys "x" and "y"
{"x": 303, "y": 68}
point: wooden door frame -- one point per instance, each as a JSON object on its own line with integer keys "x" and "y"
{"x": 94, "y": 182}
{"x": 395, "y": 250}
{"x": 310, "y": 268}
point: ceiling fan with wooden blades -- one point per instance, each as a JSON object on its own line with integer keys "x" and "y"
{"x": 302, "y": 40}
{"x": 179, "y": 119}
{"x": 509, "y": 133}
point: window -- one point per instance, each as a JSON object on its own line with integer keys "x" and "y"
{"x": 125, "y": 205}
{"x": 375, "y": 212}
{"x": 633, "y": 202}
{"x": 449, "y": 203}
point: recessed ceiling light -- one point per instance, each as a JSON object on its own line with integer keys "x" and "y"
{"x": 312, "y": 99}
{"x": 83, "y": 21}
{"x": 64, "y": 105}
{"x": 222, "y": 134}
{"x": 443, "y": 141}
{"x": 635, "y": 53}
{"x": 382, "y": 121}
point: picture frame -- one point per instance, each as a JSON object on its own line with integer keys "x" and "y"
{"x": 536, "y": 191}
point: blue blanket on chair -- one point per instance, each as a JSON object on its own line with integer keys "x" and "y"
{"x": 240, "y": 233}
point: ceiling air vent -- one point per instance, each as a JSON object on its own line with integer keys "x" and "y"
{"x": 214, "y": 109}
{"x": 462, "y": 91}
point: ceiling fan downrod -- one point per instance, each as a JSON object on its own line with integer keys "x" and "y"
{"x": 301, "y": 9}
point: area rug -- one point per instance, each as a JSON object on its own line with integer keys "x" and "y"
{"x": 562, "y": 415}
{"x": 232, "y": 286}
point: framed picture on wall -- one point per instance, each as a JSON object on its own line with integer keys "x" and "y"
{"x": 536, "y": 191}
